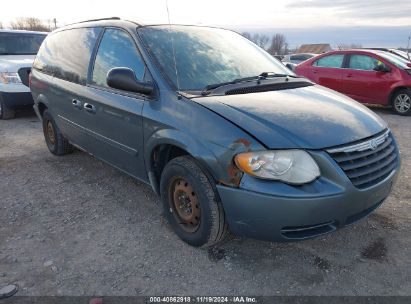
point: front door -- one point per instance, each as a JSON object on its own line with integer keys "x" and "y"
{"x": 114, "y": 120}
{"x": 361, "y": 82}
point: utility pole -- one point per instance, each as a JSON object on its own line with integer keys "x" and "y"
{"x": 55, "y": 23}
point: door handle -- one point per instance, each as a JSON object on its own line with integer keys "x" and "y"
{"x": 90, "y": 108}
{"x": 315, "y": 72}
{"x": 349, "y": 76}
{"x": 76, "y": 103}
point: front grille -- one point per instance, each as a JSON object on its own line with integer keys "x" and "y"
{"x": 369, "y": 162}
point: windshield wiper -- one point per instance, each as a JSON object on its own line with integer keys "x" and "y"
{"x": 207, "y": 89}
{"x": 265, "y": 75}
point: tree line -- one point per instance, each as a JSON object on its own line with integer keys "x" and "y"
{"x": 31, "y": 24}
{"x": 277, "y": 45}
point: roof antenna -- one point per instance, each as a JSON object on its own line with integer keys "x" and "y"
{"x": 174, "y": 51}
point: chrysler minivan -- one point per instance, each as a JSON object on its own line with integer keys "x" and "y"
{"x": 227, "y": 136}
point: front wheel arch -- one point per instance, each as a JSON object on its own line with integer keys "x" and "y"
{"x": 220, "y": 168}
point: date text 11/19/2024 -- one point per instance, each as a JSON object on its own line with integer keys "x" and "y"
{"x": 201, "y": 299}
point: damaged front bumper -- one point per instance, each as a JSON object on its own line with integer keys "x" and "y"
{"x": 274, "y": 211}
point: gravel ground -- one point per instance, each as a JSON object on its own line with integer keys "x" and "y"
{"x": 75, "y": 226}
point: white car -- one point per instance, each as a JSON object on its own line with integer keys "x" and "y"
{"x": 17, "y": 52}
{"x": 291, "y": 61}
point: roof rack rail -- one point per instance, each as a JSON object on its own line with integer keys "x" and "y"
{"x": 100, "y": 19}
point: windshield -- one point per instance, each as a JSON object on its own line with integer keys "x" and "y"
{"x": 206, "y": 56}
{"x": 20, "y": 43}
{"x": 394, "y": 59}
{"x": 401, "y": 53}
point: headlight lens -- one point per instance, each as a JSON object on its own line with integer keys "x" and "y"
{"x": 290, "y": 166}
{"x": 8, "y": 78}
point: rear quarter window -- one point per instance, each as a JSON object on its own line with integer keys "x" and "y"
{"x": 66, "y": 54}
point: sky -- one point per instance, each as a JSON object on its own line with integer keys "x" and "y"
{"x": 303, "y": 21}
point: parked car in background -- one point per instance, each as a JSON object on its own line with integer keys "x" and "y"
{"x": 397, "y": 52}
{"x": 368, "y": 76}
{"x": 222, "y": 131}
{"x": 291, "y": 61}
{"x": 278, "y": 57}
{"x": 298, "y": 58}
{"x": 17, "y": 52}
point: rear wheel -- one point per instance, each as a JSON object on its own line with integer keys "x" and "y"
{"x": 5, "y": 111}
{"x": 56, "y": 143}
{"x": 191, "y": 203}
{"x": 401, "y": 102}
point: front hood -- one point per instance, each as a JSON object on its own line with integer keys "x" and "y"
{"x": 311, "y": 118}
{"x": 12, "y": 63}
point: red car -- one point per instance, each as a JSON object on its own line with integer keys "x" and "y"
{"x": 369, "y": 76}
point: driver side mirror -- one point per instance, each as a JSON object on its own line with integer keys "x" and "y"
{"x": 124, "y": 79}
{"x": 382, "y": 68}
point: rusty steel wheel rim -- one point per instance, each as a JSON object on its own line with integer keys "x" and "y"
{"x": 186, "y": 205}
{"x": 50, "y": 133}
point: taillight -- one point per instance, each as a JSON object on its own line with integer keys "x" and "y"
{"x": 29, "y": 79}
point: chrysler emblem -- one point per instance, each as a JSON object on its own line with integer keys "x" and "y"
{"x": 373, "y": 144}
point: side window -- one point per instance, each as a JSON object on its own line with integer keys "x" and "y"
{"x": 363, "y": 62}
{"x": 331, "y": 61}
{"x": 117, "y": 49}
{"x": 67, "y": 54}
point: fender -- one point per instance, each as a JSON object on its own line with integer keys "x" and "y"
{"x": 215, "y": 158}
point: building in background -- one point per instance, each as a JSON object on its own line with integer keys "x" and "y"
{"x": 314, "y": 48}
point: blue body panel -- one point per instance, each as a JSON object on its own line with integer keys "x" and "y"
{"x": 307, "y": 117}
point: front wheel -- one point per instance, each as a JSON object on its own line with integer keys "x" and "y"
{"x": 191, "y": 203}
{"x": 401, "y": 102}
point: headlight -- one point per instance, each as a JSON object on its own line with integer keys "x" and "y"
{"x": 290, "y": 166}
{"x": 7, "y": 78}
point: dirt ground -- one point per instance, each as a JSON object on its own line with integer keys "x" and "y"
{"x": 73, "y": 225}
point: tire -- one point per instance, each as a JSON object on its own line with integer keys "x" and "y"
{"x": 401, "y": 102}
{"x": 5, "y": 111}
{"x": 56, "y": 143}
{"x": 184, "y": 187}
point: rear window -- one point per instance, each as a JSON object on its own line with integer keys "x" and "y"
{"x": 66, "y": 55}
{"x": 20, "y": 43}
{"x": 331, "y": 61}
